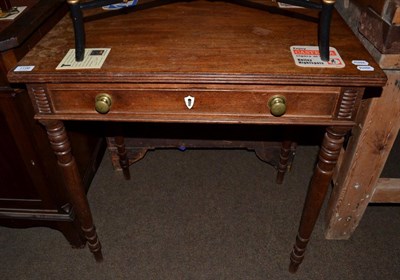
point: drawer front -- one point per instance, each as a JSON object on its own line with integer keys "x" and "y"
{"x": 181, "y": 103}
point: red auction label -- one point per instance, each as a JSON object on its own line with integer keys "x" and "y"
{"x": 313, "y": 52}
{"x": 309, "y": 56}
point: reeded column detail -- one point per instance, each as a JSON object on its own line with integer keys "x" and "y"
{"x": 41, "y": 100}
{"x": 348, "y": 104}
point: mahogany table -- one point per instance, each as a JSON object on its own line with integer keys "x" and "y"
{"x": 234, "y": 59}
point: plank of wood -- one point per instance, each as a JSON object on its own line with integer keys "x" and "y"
{"x": 351, "y": 13}
{"x": 366, "y": 154}
{"x": 396, "y": 16}
{"x": 387, "y": 190}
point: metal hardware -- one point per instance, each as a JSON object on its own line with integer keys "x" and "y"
{"x": 277, "y": 105}
{"x": 103, "y": 103}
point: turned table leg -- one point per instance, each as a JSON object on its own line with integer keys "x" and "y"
{"x": 286, "y": 150}
{"x": 122, "y": 156}
{"x": 328, "y": 155}
{"x": 61, "y": 146}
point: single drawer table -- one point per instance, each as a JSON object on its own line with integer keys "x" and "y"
{"x": 199, "y": 62}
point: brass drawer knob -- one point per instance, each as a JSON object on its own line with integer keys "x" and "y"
{"x": 277, "y": 105}
{"x": 103, "y": 103}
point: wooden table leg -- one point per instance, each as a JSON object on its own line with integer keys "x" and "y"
{"x": 123, "y": 156}
{"x": 286, "y": 150}
{"x": 328, "y": 155}
{"x": 61, "y": 146}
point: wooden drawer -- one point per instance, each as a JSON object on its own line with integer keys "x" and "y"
{"x": 210, "y": 103}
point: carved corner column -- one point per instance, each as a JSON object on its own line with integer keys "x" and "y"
{"x": 328, "y": 156}
{"x": 61, "y": 146}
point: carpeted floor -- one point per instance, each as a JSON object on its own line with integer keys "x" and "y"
{"x": 204, "y": 214}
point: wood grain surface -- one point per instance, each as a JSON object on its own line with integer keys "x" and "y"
{"x": 241, "y": 42}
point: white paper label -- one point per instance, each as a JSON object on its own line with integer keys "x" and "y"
{"x": 360, "y": 62}
{"x": 365, "y": 68}
{"x": 288, "y": 6}
{"x": 24, "y": 68}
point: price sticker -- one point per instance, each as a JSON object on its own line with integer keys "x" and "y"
{"x": 24, "y": 68}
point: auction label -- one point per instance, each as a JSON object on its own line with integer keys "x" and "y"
{"x": 308, "y": 56}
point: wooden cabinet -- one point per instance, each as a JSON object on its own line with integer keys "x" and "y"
{"x": 31, "y": 188}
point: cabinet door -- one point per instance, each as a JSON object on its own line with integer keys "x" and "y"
{"x": 20, "y": 170}
{"x": 14, "y": 177}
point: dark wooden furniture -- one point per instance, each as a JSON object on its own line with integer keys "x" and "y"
{"x": 31, "y": 188}
{"x": 233, "y": 66}
{"x": 5, "y": 5}
{"x": 359, "y": 179}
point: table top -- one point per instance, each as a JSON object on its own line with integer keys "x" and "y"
{"x": 237, "y": 42}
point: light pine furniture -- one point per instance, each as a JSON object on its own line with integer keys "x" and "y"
{"x": 233, "y": 58}
{"x": 359, "y": 181}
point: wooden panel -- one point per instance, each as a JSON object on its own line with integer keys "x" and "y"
{"x": 366, "y": 154}
{"x": 352, "y": 13}
{"x": 396, "y": 16}
{"x": 168, "y": 99}
{"x": 377, "y": 5}
{"x": 384, "y": 35}
{"x": 16, "y": 185}
{"x": 387, "y": 9}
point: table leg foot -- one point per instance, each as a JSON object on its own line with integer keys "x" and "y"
{"x": 93, "y": 242}
{"x": 293, "y": 267}
{"x": 297, "y": 255}
{"x": 98, "y": 256}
